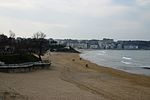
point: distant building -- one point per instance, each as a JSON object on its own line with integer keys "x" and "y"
{"x": 101, "y": 44}
{"x": 82, "y": 46}
{"x": 119, "y": 46}
{"x": 130, "y": 47}
{"x": 106, "y": 40}
{"x": 60, "y": 41}
{"x": 106, "y": 43}
{"x": 93, "y": 46}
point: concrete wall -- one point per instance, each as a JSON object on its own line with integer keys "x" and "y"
{"x": 27, "y": 68}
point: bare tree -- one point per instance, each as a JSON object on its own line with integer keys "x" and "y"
{"x": 12, "y": 34}
{"x": 39, "y": 37}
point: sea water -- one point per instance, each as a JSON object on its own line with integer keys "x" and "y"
{"x": 132, "y": 61}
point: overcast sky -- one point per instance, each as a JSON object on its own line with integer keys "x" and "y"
{"x": 77, "y": 19}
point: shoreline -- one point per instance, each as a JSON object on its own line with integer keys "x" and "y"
{"x": 113, "y": 71}
{"x": 123, "y": 61}
{"x": 133, "y": 73}
{"x": 70, "y": 78}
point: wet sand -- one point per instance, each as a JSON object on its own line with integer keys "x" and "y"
{"x": 72, "y": 78}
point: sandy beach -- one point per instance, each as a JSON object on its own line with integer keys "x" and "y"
{"x": 72, "y": 78}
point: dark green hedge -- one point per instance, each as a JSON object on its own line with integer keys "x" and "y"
{"x": 18, "y": 58}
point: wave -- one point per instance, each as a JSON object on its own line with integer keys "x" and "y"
{"x": 145, "y": 67}
{"x": 127, "y": 63}
{"x": 127, "y": 58}
{"x": 101, "y": 52}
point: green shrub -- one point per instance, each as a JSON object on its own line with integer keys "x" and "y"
{"x": 18, "y": 58}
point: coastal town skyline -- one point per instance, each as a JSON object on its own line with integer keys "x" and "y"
{"x": 105, "y": 43}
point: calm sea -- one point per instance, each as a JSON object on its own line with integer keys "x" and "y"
{"x": 133, "y": 61}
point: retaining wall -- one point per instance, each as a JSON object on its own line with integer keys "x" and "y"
{"x": 26, "y": 67}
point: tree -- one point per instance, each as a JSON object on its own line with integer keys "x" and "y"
{"x": 3, "y": 42}
{"x": 39, "y": 35}
{"x": 41, "y": 43}
{"x": 12, "y": 34}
